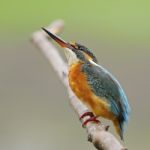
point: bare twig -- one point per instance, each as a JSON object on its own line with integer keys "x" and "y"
{"x": 97, "y": 134}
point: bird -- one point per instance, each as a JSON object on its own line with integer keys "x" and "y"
{"x": 94, "y": 85}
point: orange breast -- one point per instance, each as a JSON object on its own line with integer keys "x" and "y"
{"x": 79, "y": 85}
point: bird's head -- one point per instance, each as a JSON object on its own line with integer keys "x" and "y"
{"x": 74, "y": 52}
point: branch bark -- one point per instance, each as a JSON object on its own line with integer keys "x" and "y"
{"x": 97, "y": 134}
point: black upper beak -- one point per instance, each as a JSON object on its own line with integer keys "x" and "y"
{"x": 61, "y": 42}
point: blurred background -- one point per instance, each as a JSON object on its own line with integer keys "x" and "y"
{"x": 35, "y": 113}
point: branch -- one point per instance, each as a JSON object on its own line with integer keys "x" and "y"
{"x": 97, "y": 134}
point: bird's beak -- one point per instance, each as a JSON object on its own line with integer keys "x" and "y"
{"x": 69, "y": 49}
{"x": 61, "y": 42}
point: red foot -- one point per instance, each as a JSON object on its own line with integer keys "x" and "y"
{"x": 92, "y": 119}
{"x": 86, "y": 114}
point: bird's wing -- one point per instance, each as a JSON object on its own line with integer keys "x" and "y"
{"x": 104, "y": 85}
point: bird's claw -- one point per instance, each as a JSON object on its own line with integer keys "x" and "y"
{"x": 91, "y": 119}
{"x": 86, "y": 114}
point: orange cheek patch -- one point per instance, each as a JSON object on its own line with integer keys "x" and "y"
{"x": 87, "y": 56}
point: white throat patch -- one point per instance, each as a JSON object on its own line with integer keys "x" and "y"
{"x": 71, "y": 56}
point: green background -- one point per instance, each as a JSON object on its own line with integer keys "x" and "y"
{"x": 34, "y": 108}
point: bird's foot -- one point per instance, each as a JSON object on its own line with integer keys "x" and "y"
{"x": 86, "y": 114}
{"x": 91, "y": 119}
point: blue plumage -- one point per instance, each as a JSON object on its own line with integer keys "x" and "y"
{"x": 104, "y": 85}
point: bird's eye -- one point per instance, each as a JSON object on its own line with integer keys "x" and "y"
{"x": 80, "y": 47}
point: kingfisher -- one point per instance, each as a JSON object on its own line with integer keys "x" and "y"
{"x": 94, "y": 85}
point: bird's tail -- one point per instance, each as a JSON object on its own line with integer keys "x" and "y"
{"x": 119, "y": 127}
